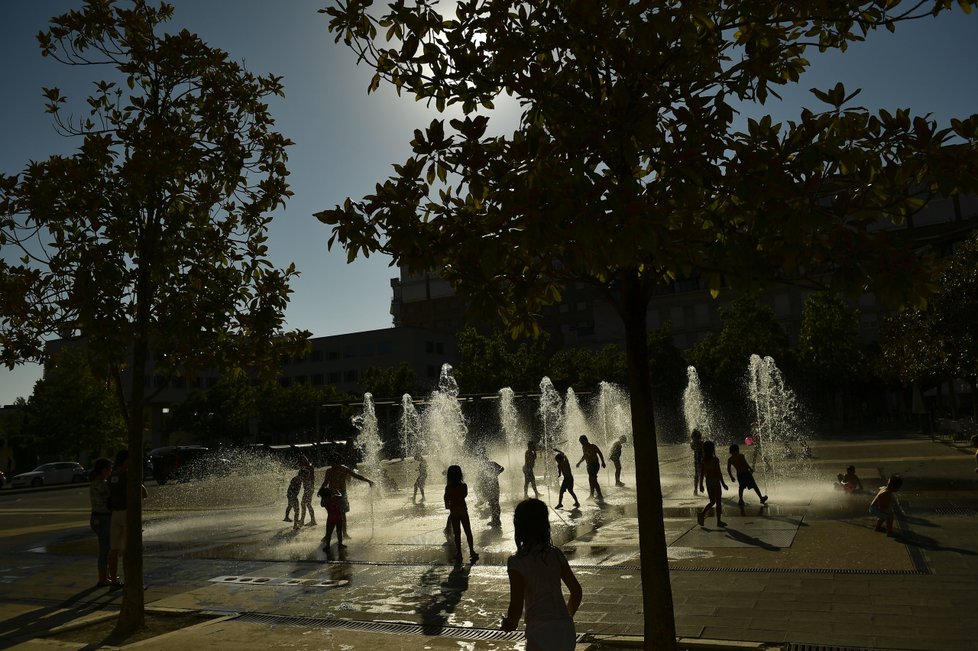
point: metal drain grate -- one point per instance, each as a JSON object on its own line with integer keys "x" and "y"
{"x": 279, "y": 581}
{"x": 823, "y": 647}
{"x": 456, "y": 632}
{"x": 797, "y": 570}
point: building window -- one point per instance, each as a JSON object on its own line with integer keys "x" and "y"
{"x": 333, "y": 377}
{"x": 349, "y": 351}
{"x": 317, "y": 380}
{"x": 385, "y": 348}
{"x": 332, "y": 355}
{"x": 440, "y": 348}
{"x": 429, "y": 347}
{"x": 317, "y": 355}
{"x": 350, "y": 376}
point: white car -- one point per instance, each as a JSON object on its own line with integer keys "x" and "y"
{"x": 59, "y": 472}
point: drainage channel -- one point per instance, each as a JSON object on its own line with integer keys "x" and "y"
{"x": 455, "y": 632}
{"x": 793, "y": 646}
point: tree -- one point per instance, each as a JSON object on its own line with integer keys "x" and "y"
{"x": 488, "y": 363}
{"x": 955, "y": 313}
{"x": 746, "y": 328}
{"x": 927, "y": 346}
{"x": 151, "y": 237}
{"x": 72, "y": 411}
{"x": 829, "y": 356}
{"x": 219, "y": 414}
{"x": 627, "y": 169}
{"x": 390, "y": 382}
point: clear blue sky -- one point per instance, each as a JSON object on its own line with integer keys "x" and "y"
{"x": 346, "y": 140}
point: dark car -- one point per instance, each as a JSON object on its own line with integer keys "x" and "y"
{"x": 181, "y": 462}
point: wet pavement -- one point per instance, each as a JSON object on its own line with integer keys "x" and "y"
{"x": 806, "y": 570}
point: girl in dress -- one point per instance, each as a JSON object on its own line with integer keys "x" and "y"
{"x": 536, "y": 572}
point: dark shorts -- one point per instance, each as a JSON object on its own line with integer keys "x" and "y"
{"x": 528, "y": 474}
{"x": 567, "y": 484}
{"x": 746, "y": 479}
{"x": 593, "y": 468}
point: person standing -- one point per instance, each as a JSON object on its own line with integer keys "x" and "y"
{"x": 101, "y": 523}
{"x": 592, "y": 455}
{"x": 308, "y": 476}
{"x": 712, "y": 476}
{"x": 118, "y": 504}
{"x": 885, "y": 505}
{"x": 615, "y": 457}
{"x": 536, "y": 572}
{"x": 292, "y": 500}
{"x": 422, "y": 477}
{"x": 529, "y": 477}
{"x": 458, "y": 512}
{"x": 696, "y": 444}
{"x": 335, "y": 478}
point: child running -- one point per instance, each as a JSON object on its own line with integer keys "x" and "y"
{"x": 712, "y": 475}
{"x": 564, "y": 469}
{"x": 292, "y": 495}
{"x": 458, "y": 513}
{"x": 536, "y": 572}
{"x": 885, "y": 504}
{"x": 745, "y": 474}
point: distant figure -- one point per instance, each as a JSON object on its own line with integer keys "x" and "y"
{"x": 308, "y": 476}
{"x": 489, "y": 487}
{"x": 713, "y": 477}
{"x": 335, "y": 479}
{"x": 696, "y": 443}
{"x": 849, "y": 482}
{"x": 422, "y": 477}
{"x": 292, "y": 498}
{"x": 974, "y": 444}
{"x": 333, "y": 503}
{"x": 745, "y": 474}
{"x": 885, "y": 504}
{"x": 615, "y": 457}
{"x": 592, "y": 455}
{"x": 458, "y": 513}
{"x": 529, "y": 478}
{"x": 564, "y": 469}
{"x": 101, "y": 521}
{"x": 536, "y": 572}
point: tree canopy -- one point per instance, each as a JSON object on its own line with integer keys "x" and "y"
{"x": 630, "y": 166}
{"x": 151, "y": 237}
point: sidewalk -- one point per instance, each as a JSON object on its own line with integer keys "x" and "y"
{"x": 807, "y": 571}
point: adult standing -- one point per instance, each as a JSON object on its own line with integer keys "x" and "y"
{"x": 595, "y": 460}
{"x": 335, "y": 478}
{"x": 615, "y": 457}
{"x": 101, "y": 522}
{"x": 118, "y": 503}
{"x": 308, "y": 477}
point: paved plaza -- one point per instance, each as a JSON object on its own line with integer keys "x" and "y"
{"x": 805, "y": 571}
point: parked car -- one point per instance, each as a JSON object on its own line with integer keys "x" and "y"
{"x": 46, "y": 474}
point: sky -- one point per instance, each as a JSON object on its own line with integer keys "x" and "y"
{"x": 346, "y": 140}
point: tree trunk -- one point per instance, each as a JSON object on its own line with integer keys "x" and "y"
{"x": 132, "y": 613}
{"x": 660, "y": 624}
